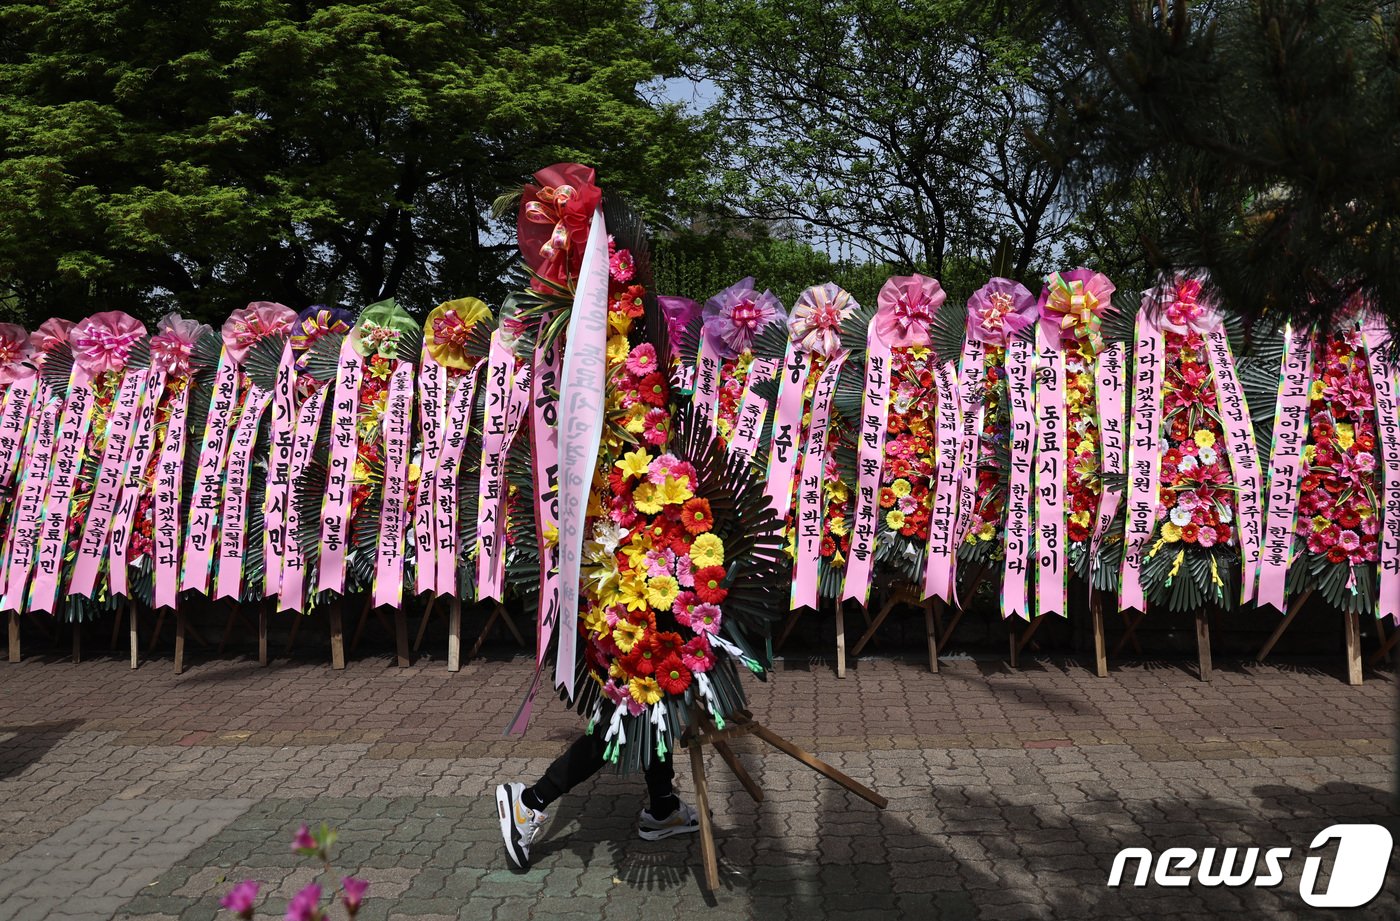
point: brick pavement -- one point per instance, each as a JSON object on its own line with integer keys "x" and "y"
{"x": 144, "y": 795}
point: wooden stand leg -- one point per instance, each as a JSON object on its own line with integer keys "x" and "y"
{"x": 135, "y": 638}
{"x": 401, "y": 636}
{"x": 454, "y": 635}
{"x": 820, "y": 766}
{"x": 948, "y": 631}
{"x": 875, "y": 624}
{"x": 14, "y": 636}
{"x": 116, "y": 628}
{"x": 1018, "y": 642}
{"x": 840, "y": 640}
{"x": 1293, "y": 610}
{"x": 510, "y": 625}
{"x": 423, "y": 625}
{"x": 1382, "y": 653}
{"x": 155, "y": 634}
{"x": 1353, "y": 632}
{"x": 1130, "y": 625}
{"x": 296, "y": 628}
{"x": 495, "y": 615}
{"x": 931, "y": 635}
{"x": 1203, "y": 643}
{"x": 1100, "y": 656}
{"x": 179, "y": 641}
{"x": 360, "y": 627}
{"x": 262, "y": 631}
{"x": 337, "y": 636}
{"x": 708, "y": 857}
{"x": 740, "y": 772}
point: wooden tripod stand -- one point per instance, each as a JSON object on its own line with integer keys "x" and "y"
{"x": 703, "y": 731}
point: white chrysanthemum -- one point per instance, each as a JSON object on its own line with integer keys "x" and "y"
{"x": 1206, "y": 456}
{"x": 1187, "y": 463}
{"x": 1181, "y": 517}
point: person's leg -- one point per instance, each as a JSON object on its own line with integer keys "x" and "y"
{"x": 660, "y": 775}
{"x": 579, "y": 762}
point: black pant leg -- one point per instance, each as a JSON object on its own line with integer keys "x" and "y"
{"x": 579, "y": 762}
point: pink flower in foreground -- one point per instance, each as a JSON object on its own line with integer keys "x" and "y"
{"x": 305, "y": 905}
{"x": 304, "y": 841}
{"x": 240, "y": 898}
{"x": 354, "y": 893}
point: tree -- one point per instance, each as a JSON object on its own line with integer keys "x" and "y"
{"x": 898, "y": 128}
{"x": 204, "y": 153}
{"x": 1268, "y": 132}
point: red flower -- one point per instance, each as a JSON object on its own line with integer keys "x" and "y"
{"x": 696, "y": 516}
{"x": 709, "y": 584}
{"x": 651, "y": 389}
{"x": 642, "y": 660}
{"x": 673, "y": 676}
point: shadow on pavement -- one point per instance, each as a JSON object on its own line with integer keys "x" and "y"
{"x": 21, "y": 746}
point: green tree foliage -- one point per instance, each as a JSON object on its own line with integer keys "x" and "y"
{"x": 1259, "y": 139}
{"x": 201, "y": 153}
{"x": 899, "y": 128}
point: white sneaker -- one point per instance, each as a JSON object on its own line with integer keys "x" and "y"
{"x": 683, "y": 821}
{"x": 519, "y": 823}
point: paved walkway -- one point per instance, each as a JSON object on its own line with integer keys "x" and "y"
{"x": 140, "y": 795}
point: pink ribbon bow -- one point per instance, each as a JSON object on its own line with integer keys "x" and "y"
{"x": 906, "y": 306}
{"x": 103, "y": 341}
{"x": 999, "y": 310}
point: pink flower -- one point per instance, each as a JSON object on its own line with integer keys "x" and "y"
{"x": 1206, "y": 537}
{"x": 244, "y": 328}
{"x": 304, "y": 841}
{"x": 816, "y": 318}
{"x": 1348, "y": 540}
{"x": 103, "y": 341}
{"x": 998, "y": 311}
{"x": 15, "y": 349}
{"x": 620, "y": 266}
{"x": 697, "y": 656}
{"x": 240, "y": 899}
{"x": 657, "y": 427}
{"x": 615, "y": 692}
{"x": 705, "y": 619}
{"x": 305, "y": 905}
{"x": 735, "y": 317}
{"x": 172, "y": 347}
{"x": 51, "y": 333}
{"x": 685, "y": 602}
{"x": 354, "y": 893}
{"x": 641, "y": 361}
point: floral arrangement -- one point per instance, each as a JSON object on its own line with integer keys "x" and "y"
{"x": 1337, "y": 542}
{"x": 733, "y": 321}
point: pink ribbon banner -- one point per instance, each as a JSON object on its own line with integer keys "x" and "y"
{"x": 812, "y": 491}
{"x": 707, "y": 367}
{"x": 753, "y": 410}
{"x": 870, "y": 458}
{"x": 1144, "y": 458}
{"x": 970, "y": 392}
{"x": 939, "y": 571}
{"x": 111, "y": 474}
{"x": 19, "y": 401}
{"x": 1285, "y": 467}
{"x": 340, "y": 472}
{"x": 1110, "y": 383}
{"x": 209, "y": 478}
{"x": 165, "y": 506}
{"x": 787, "y": 430}
{"x": 1020, "y": 377}
{"x": 1050, "y": 472}
{"x": 67, "y": 461}
{"x": 1244, "y": 457}
{"x": 432, "y": 419}
{"x": 142, "y": 443}
{"x": 393, "y": 514}
{"x": 493, "y": 488}
{"x": 228, "y": 583}
{"x": 292, "y": 595}
{"x": 1387, "y": 393}
{"x": 23, "y": 537}
{"x": 279, "y": 473}
{"x": 581, "y": 414}
{"x": 445, "y": 491}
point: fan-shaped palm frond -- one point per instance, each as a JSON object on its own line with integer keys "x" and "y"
{"x": 263, "y": 360}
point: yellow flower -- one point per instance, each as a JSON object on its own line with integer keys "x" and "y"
{"x": 595, "y": 503}
{"x": 673, "y": 492}
{"x": 632, "y": 593}
{"x": 839, "y": 526}
{"x": 836, "y": 491}
{"x": 1321, "y": 523}
{"x": 551, "y": 535}
{"x": 1346, "y": 435}
{"x": 415, "y": 473}
{"x": 1080, "y": 518}
{"x": 1205, "y": 438}
{"x": 626, "y": 634}
{"x": 901, "y": 487}
{"x": 618, "y": 349}
{"x": 644, "y": 690}
{"x": 635, "y": 463}
{"x": 615, "y": 670}
{"x": 636, "y": 419}
{"x": 622, "y": 323}
{"x": 1171, "y": 533}
{"x": 894, "y": 519}
{"x": 1310, "y": 452}
{"x": 361, "y": 472}
{"x": 1317, "y": 391}
{"x": 647, "y": 499}
{"x": 662, "y": 592}
{"x": 987, "y": 531}
{"x": 838, "y": 560}
{"x": 1364, "y": 511}
{"x": 918, "y": 353}
{"x": 596, "y": 620}
{"x": 707, "y": 550}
